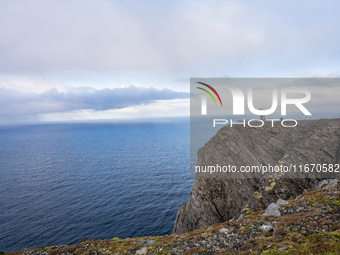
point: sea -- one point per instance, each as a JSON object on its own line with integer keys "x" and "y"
{"x": 62, "y": 182}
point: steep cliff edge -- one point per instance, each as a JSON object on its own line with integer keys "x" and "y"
{"x": 217, "y": 200}
{"x": 309, "y": 224}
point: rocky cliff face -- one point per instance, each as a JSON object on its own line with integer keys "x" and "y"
{"x": 309, "y": 224}
{"x": 218, "y": 200}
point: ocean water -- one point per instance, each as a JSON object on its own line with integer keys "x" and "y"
{"x": 60, "y": 183}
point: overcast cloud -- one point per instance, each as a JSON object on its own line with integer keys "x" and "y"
{"x": 16, "y": 103}
{"x": 50, "y": 48}
{"x": 189, "y": 37}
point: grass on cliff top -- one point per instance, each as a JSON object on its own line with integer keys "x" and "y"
{"x": 288, "y": 239}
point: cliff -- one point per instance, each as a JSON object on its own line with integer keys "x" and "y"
{"x": 219, "y": 200}
{"x": 309, "y": 224}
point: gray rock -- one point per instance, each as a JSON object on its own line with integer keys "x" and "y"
{"x": 223, "y": 230}
{"x": 327, "y": 183}
{"x": 267, "y": 227}
{"x": 214, "y": 200}
{"x": 272, "y": 210}
{"x": 332, "y": 183}
{"x": 281, "y": 202}
{"x": 321, "y": 184}
{"x": 282, "y": 248}
{"x": 240, "y": 218}
{"x": 142, "y": 251}
{"x": 146, "y": 242}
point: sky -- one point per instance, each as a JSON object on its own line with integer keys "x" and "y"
{"x": 101, "y": 59}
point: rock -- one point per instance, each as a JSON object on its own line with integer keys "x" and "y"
{"x": 321, "y": 185}
{"x": 146, "y": 242}
{"x": 214, "y": 200}
{"x": 327, "y": 183}
{"x": 223, "y": 230}
{"x": 272, "y": 210}
{"x": 282, "y": 248}
{"x": 267, "y": 227}
{"x": 332, "y": 183}
{"x": 281, "y": 202}
{"x": 142, "y": 251}
{"x": 240, "y": 218}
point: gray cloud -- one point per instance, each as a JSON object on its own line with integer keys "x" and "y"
{"x": 51, "y": 101}
{"x": 184, "y": 80}
{"x": 151, "y": 43}
{"x": 317, "y": 74}
{"x": 316, "y": 82}
{"x": 187, "y": 80}
{"x": 185, "y": 38}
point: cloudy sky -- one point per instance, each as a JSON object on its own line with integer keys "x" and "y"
{"x": 102, "y": 59}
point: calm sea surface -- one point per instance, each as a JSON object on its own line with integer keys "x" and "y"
{"x": 60, "y": 183}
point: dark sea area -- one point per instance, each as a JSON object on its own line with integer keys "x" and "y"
{"x": 60, "y": 183}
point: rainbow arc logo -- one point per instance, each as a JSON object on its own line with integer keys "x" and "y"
{"x": 208, "y": 92}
